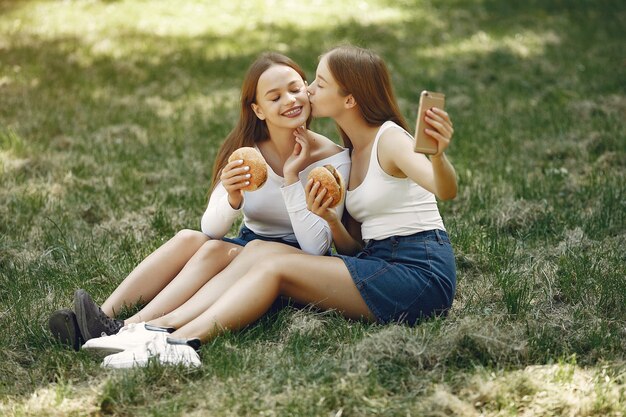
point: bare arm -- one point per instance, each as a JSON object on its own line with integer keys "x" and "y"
{"x": 445, "y": 177}
{"x": 436, "y": 175}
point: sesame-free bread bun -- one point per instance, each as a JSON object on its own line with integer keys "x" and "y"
{"x": 330, "y": 179}
{"x": 258, "y": 167}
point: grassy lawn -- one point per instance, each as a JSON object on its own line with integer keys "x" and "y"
{"x": 110, "y": 116}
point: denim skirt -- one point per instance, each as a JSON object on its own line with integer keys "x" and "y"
{"x": 405, "y": 278}
{"x": 246, "y": 235}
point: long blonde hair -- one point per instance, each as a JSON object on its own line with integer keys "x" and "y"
{"x": 363, "y": 74}
{"x": 249, "y": 128}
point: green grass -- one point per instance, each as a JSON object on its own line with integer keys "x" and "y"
{"x": 110, "y": 117}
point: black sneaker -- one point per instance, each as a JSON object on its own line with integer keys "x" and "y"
{"x": 64, "y": 328}
{"x": 92, "y": 321}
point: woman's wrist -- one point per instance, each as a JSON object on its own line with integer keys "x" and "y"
{"x": 290, "y": 179}
{"x": 235, "y": 202}
{"x": 334, "y": 223}
{"x": 438, "y": 157}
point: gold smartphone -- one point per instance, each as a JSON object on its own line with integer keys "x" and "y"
{"x": 423, "y": 142}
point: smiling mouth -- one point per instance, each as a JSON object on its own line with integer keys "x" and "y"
{"x": 293, "y": 112}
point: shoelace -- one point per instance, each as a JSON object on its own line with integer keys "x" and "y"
{"x": 110, "y": 325}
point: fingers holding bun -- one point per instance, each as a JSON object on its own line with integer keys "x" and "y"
{"x": 331, "y": 179}
{"x": 258, "y": 167}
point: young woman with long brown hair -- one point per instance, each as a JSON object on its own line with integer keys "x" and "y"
{"x": 274, "y": 118}
{"x": 397, "y": 263}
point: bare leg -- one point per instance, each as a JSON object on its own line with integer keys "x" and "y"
{"x": 209, "y": 259}
{"x": 323, "y": 281}
{"x": 155, "y": 272}
{"x": 220, "y": 283}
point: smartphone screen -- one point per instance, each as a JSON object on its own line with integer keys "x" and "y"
{"x": 424, "y": 143}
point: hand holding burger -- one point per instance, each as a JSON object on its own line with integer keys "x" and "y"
{"x": 331, "y": 180}
{"x": 255, "y": 161}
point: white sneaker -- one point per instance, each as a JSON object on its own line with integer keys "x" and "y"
{"x": 165, "y": 353}
{"x": 129, "y": 337}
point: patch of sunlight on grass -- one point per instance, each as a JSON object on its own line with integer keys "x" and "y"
{"x": 189, "y": 18}
{"x": 219, "y": 101}
{"x": 54, "y": 400}
{"x": 225, "y": 100}
{"x": 207, "y": 104}
{"x": 119, "y": 29}
{"x": 13, "y": 152}
{"x": 540, "y": 390}
{"x": 546, "y": 389}
{"x": 524, "y": 44}
{"x": 10, "y": 163}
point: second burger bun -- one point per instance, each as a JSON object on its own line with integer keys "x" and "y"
{"x": 330, "y": 179}
{"x": 258, "y": 167}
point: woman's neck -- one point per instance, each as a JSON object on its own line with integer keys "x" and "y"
{"x": 361, "y": 133}
{"x": 279, "y": 146}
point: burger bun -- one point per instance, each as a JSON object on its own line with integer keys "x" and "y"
{"x": 258, "y": 167}
{"x": 330, "y": 179}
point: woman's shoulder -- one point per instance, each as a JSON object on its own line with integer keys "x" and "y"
{"x": 322, "y": 140}
{"x": 326, "y": 148}
{"x": 393, "y": 136}
{"x": 392, "y": 129}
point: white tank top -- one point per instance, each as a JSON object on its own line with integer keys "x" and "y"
{"x": 388, "y": 206}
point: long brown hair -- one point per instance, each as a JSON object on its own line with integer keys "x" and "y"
{"x": 249, "y": 128}
{"x": 363, "y": 74}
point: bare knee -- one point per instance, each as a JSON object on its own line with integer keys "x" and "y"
{"x": 190, "y": 237}
{"x": 213, "y": 248}
{"x": 280, "y": 269}
{"x": 270, "y": 270}
{"x": 269, "y": 265}
{"x": 258, "y": 244}
{"x": 261, "y": 247}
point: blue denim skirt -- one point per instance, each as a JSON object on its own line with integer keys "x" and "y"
{"x": 246, "y": 235}
{"x": 405, "y": 278}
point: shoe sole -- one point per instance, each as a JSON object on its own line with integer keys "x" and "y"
{"x": 140, "y": 363}
{"x": 125, "y": 363}
{"x": 129, "y": 359}
{"x": 98, "y": 350}
{"x": 64, "y": 327}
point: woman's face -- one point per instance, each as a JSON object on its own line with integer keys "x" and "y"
{"x": 281, "y": 98}
{"x": 324, "y": 92}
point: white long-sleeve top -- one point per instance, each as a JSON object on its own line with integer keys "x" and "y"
{"x": 277, "y": 211}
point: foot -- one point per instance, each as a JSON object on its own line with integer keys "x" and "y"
{"x": 64, "y": 328}
{"x": 164, "y": 350}
{"x": 91, "y": 319}
{"x": 129, "y": 337}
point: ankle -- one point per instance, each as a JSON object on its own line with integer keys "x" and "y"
{"x": 167, "y": 322}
